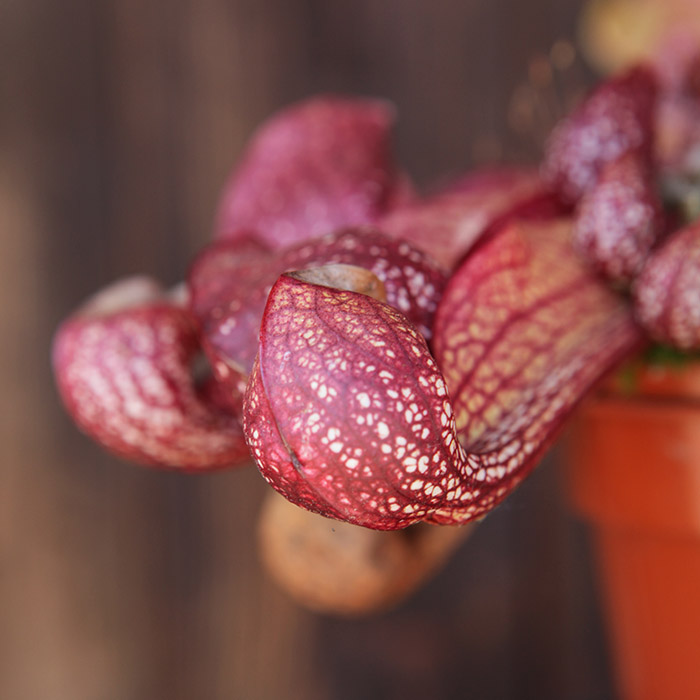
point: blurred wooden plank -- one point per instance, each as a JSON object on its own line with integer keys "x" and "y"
{"x": 117, "y": 582}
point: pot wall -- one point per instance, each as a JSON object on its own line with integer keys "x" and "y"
{"x": 635, "y": 475}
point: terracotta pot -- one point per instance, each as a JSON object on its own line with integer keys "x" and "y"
{"x": 635, "y": 458}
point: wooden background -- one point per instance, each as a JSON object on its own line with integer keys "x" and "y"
{"x": 119, "y": 120}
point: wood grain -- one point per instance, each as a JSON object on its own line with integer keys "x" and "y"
{"x": 118, "y": 124}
